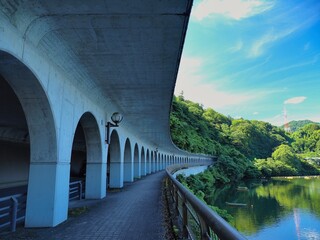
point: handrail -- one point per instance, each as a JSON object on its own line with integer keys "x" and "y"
{"x": 12, "y": 210}
{"x": 75, "y": 190}
{"x": 211, "y": 225}
{"x": 13, "y": 207}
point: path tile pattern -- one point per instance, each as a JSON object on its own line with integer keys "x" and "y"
{"x": 135, "y": 212}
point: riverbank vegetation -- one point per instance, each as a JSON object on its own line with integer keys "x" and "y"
{"x": 244, "y": 148}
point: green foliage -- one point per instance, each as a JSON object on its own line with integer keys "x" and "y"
{"x": 285, "y": 154}
{"x": 285, "y": 162}
{"x": 307, "y": 139}
{"x": 201, "y": 185}
{"x": 200, "y": 130}
{"x": 238, "y": 142}
{"x": 296, "y": 125}
{"x": 243, "y": 148}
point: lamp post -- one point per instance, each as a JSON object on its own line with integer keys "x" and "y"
{"x": 116, "y": 118}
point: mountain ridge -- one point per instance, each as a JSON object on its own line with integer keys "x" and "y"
{"x": 297, "y": 124}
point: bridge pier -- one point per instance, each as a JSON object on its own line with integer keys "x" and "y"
{"x": 96, "y": 180}
{"x": 48, "y": 194}
{"x": 116, "y": 175}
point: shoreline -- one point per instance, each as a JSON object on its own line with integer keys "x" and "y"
{"x": 292, "y": 177}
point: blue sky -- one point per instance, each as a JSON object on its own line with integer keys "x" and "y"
{"x": 252, "y": 59}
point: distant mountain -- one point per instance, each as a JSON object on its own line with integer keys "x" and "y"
{"x": 295, "y": 125}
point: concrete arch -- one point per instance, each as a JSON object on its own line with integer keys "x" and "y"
{"x": 162, "y": 161}
{"x": 95, "y": 168}
{"x": 157, "y": 161}
{"x": 137, "y": 162}
{"x": 143, "y": 162}
{"x": 165, "y": 160}
{"x": 14, "y": 140}
{"x": 152, "y": 161}
{"x": 35, "y": 105}
{"x": 148, "y": 161}
{"x": 115, "y": 162}
{"x": 44, "y": 211}
{"x": 128, "y": 162}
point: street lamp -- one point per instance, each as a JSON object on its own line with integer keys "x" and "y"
{"x": 116, "y": 118}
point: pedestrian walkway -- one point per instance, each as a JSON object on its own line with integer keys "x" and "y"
{"x": 135, "y": 212}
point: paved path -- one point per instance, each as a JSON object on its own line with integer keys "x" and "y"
{"x": 136, "y": 212}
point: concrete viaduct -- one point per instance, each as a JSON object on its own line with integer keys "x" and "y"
{"x": 65, "y": 67}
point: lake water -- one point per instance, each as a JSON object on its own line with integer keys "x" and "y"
{"x": 281, "y": 208}
{"x": 190, "y": 171}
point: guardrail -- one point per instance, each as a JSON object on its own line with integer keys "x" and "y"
{"x": 197, "y": 219}
{"x": 13, "y": 207}
{"x": 12, "y": 211}
{"x": 76, "y": 190}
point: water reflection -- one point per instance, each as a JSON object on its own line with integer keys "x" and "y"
{"x": 282, "y": 208}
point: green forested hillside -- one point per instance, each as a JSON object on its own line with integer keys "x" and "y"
{"x": 244, "y": 148}
{"x": 200, "y": 130}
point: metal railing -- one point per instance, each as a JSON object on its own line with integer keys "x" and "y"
{"x": 197, "y": 219}
{"x": 76, "y": 190}
{"x": 12, "y": 211}
{"x": 13, "y": 207}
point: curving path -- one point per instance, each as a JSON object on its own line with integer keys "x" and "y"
{"x": 134, "y": 212}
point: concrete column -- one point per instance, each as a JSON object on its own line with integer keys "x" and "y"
{"x": 149, "y": 166}
{"x": 48, "y": 194}
{"x": 137, "y": 168}
{"x": 95, "y": 180}
{"x": 152, "y": 165}
{"x": 116, "y": 175}
{"x": 143, "y": 168}
{"x": 128, "y": 171}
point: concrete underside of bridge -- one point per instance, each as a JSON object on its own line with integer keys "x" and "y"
{"x": 65, "y": 67}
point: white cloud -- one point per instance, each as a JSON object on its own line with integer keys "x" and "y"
{"x": 295, "y": 100}
{"x": 258, "y": 46}
{"x": 314, "y": 60}
{"x": 278, "y": 32}
{"x": 191, "y": 82}
{"x": 235, "y": 9}
{"x": 237, "y": 47}
{"x": 255, "y": 113}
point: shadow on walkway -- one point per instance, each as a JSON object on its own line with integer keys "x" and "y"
{"x": 134, "y": 212}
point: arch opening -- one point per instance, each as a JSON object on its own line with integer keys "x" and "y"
{"x": 78, "y": 165}
{"x": 148, "y": 162}
{"x": 128, "y": 165}
{"x": 86, "y": 159}
{"x": 114, "y": 162}
{"x": 143, "y": 162}
{"x": 14, "y": 143}
{"x": 38, "y": 127}
{"x": 137, "y": 163}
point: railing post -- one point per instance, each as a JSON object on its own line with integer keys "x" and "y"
{"x": 80, "y": 190}
{"x": 176, "y": 197}
{"x": 14, "y": 212}
{"x": 204, "y": 229}
{"x": 184, "y": 218}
